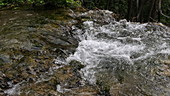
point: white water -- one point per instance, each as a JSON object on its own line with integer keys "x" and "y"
{"x": 130, "y": 44}
{"x": 120, "y": 40}
{"x": 91, "y": 52}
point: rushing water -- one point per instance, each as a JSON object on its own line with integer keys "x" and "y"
{"x": 126, "y": 54}
{"x": 38, "y": 55}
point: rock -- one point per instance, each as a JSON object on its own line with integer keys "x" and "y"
{"x": 165, "y": 68}
{"x": 86, "y": 90}
{"x": 2, "y": 94}
{"x": 29, "y": 45}
{"x": 165, "y": 73}
{"x": 167, "y": 62}
{"x": 76, "y": 65}
{"x": 99, "y": 16}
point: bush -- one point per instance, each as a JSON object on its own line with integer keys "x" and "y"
{"x": 49, "y": 3}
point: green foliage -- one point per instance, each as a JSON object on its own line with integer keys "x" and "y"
{"x": 73, "y": 3}
{"x": 57, "y": 3}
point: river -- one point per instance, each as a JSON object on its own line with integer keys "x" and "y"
{"x": 58, "y": 54}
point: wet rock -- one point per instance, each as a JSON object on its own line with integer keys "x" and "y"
{"x": 167, "y": 62}
{"x": 4, "y": 59}
{"x": 86, "y": 90}
{"x": 66, "y": 77}
{"x": 99, "y": 16}
{"x": 38, "y": 89}
{"x": 4, "y": 84}
{"x": 128, "y": 89}
{"x": 164, "y": 68}
{"x": 165, "y": 73}
{"x": 30, "y": 41}
{"x": 76, "y": 65}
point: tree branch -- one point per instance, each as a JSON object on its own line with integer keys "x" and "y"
{"x": 160, "y": 10}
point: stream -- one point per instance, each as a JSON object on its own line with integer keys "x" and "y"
{"x": 67, "y": 53}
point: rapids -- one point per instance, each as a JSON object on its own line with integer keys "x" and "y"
{"x": 124, "y": 54}
{"x": 67, "y": 53}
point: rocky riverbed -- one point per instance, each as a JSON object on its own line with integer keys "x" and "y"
{"x": 34, "y": 46}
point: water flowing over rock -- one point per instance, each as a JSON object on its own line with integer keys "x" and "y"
{"x": 67, "y": 53}
{"x": 122, "y": 58}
